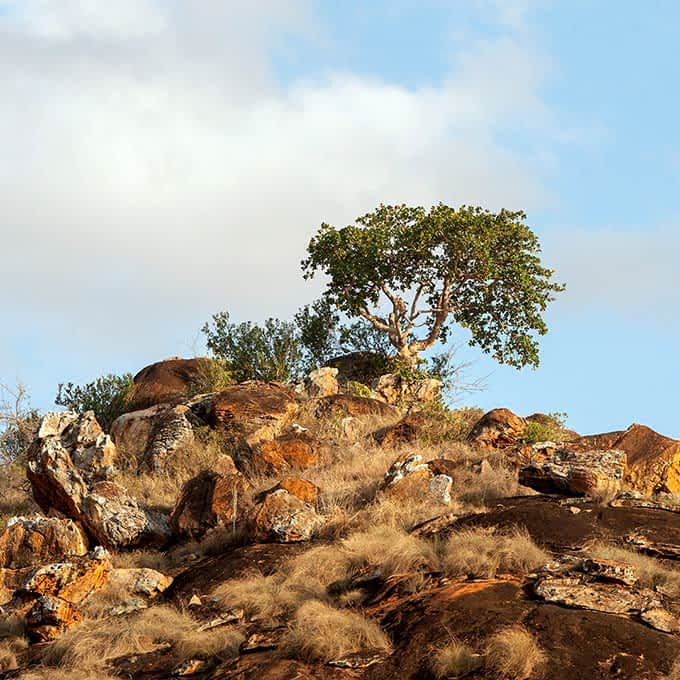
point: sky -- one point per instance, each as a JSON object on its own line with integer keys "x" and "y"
{"x": 165, "y": 159}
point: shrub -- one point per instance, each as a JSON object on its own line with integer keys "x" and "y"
{"x": 320, "y": 633}
{"x": 18, "y": 423}
{"x": 213, "y": 375}
{"x": 454, "y": 661}
{"x": 108, "y": 396}
{"x": 480, "y": 554}
{"x": 512, "y": 654}
{"x": 545, "y": 428}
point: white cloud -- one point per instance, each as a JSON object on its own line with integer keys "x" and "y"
{"x": 153, "y": 166}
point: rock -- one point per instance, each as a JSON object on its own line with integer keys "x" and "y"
{"x": 660, "y": 619}
{"x": 116, "y": 520}
{"x": 406, "y": 431}
{"x": 133, "y": 589}
{"x": 322, "y": 382}
{"x": 610, "y": 570}
{"x": 54, "y": 423}
{"x": 588, "y": 473}
{"x": 284, "y": 518}
{"x": 55, "y": 481}
{"x": 393, "y": 389}
{"x": 497, "y": 429}
{"x": 347, "y": 405}
{"x": 351, "y": 428}
{"x": 167, "y": 381}
{"x": 151, "y": 435}
{"x": 251, "y": 412}
{"x": 303, "y": 489}
{"x": 55, "y": 591}
{"x": 34, "y": 540}
{"x": 214, "y": 498}
{"x": 363, "y": 367}
{"x": 288, "y": 452}
{"x": 410, "y": 477}
{"x": 653, "y": 460}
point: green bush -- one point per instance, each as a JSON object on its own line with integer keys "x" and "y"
{"x": 108, "y": 396}
{"x": 545, "y": 428}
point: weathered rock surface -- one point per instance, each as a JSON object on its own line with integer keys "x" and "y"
{"x": 103, "y": 508}
{"x": 116, "y": 520}
{"x": 34, "y": 540}
{"x": 251, "y": 412}
{"x": 653, "y": 460}
{"x": 362, "y": 367}
{"x": 393, "y": 389}
{"x": 347, "y": 405}
{"x": 284, "y": 518}
{"x": 218, "y": 497}
{"x": 133, "y": 589}
{"x": 152, "y": 434}
{"x": 497, "y": 429}
{"x": 163, "y": 382}
{"x": 405, "y": 431}
{"x": 322, "y": 382}
{"x": 305, "y": 490}
{"x": 412, "y": 478}
{"x": 291, "y": 451}
{"x": 587, "y": 473}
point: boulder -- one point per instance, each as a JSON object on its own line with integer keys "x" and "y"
{"x": 283, "y": 518}
{"x": 129, "y": 590}
{"x": 412, "y": 478}
{"x": 290, "y": 451}
{"x": 168, "y": 381}
{"x": 150, "y": 435}
{"x": 653, "y": 459}
{"x": 393, "y": 389}
{"x": 301, "y": 488}
{"x": 342, "y": 405}
{"x": 116, "y": 520}
{"x": 362, "y": 367}
{"x": 251, "y": 412}
{"x": 497, "y": 429}
{"x": 587, "y": 473}
{"x": 218, "y": 497}
{"x": 34, "y": 540}
{"x": 53, "y": 593}
{"x": 405, "y": 431}
{"x": 322, "y": 382}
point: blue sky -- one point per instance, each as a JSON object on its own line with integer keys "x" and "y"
{"x": 164, "y": 160}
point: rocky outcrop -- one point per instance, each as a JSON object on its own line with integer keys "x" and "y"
{"x": 322, "y": 382}
{"x": 291, "y": 451}
{"x": 149, "y": 436}
{"x": 342, "y": 405}
{"x": 587, "y": 473}
{"x": 30, "y": 541}
{"x": 168, "y": 381}
{"x": 653, "y": 459}
{"x": 284, "y": 518}
{"x": 405, "y": 431}
{"x": 103, "y": 508}
{"x": 251, "y": 412}
{"x": 301, "y": 488}
{"x": 220, "y": 497}
{"x": 497, "y": 429}
{"x": 132, "y": 589}
{"x": 412, "y": 478}
{"x": 392, "y": 388}
{"x": 51, "y": 596}
{"x": 362, "y": 367}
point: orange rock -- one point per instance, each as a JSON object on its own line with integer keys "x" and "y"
{"x": 284, "y": 518}
{"x": 288, "y": 452}
{"x": 253, "y": 412}
{"x": 303, "y": 489}
{"x": 348, "y": 405}
{"x": 497, "y": 429}
{"x": 209, "y": 500}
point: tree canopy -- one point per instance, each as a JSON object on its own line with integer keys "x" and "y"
{"x": 412, "y": 273}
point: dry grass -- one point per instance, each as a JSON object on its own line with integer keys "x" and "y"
{"x": 513, "y": 654}
{"x": 480, "y": 553}
{"x": 674, "y": 673}
{"x": 9, "y": 648}
{"x": 15, "y": 498}
{"x": 320, "y": 633}
{"x": 455, "y": 660}
{"x": 651, "y": 572}
{"x": 71, "y": 674}
{"x": 89, "y": 646}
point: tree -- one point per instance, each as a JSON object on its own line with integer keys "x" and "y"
{"x": 18, "y": 422}
{"x": 108, "y": 396}
{"x": 254, "y": 352}
{"x": 412, "y": 273}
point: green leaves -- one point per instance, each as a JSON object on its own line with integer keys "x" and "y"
{"x": 412, "y": 273}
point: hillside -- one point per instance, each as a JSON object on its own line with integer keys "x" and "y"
{"x": 326, "y": 530}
